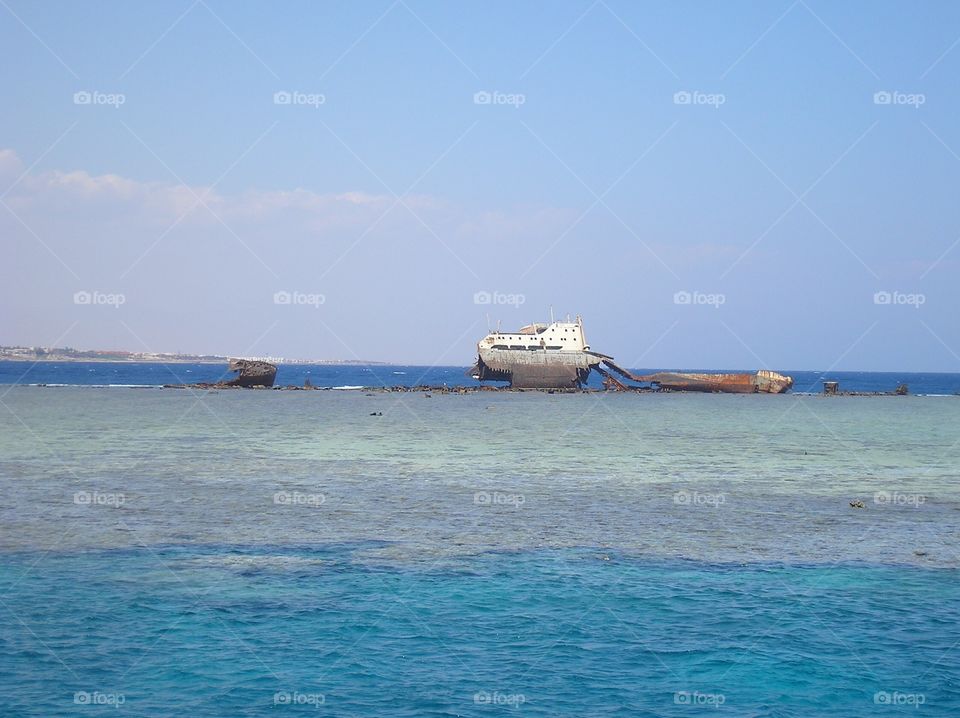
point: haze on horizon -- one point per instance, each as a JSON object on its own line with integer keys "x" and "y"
{"x": 735, "y": 186}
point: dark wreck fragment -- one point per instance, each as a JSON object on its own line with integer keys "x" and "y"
{"x": 252, "y": 373}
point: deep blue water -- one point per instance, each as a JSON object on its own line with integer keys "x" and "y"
{"x": 105, "y": 373}
{"x": 243, "y": 631}
{"x": 178, "y": 553}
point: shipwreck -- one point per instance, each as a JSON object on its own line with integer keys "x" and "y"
{"x": 557, "y": 356}
{"x": 251, "y": 373}
{"x": 763, "y": 381}
{"x": 537, "y": 356}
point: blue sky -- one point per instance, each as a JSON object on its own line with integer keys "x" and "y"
{"x": 632, "y": 156}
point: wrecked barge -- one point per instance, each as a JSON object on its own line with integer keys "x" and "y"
{"x": 537, "y": 356}
{"x": 763, "y": 381}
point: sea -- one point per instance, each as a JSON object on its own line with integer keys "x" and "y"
{"x": 355, "y": 552}
{"x": 357, "y": 376}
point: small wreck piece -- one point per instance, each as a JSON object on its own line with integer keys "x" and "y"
{"x": 252, "y": 373}
{"x": 538, "y": 356}
{"x": 832, "y": 388}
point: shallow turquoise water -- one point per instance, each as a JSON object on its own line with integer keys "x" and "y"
{"x": 233, "y": 630}
{"x": 259, "y": 553}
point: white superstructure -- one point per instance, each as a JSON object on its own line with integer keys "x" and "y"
{"x": 558, "y": 336}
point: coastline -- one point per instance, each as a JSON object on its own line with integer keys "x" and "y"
{"x": 186, "y": 360}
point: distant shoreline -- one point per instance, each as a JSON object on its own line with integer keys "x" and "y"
{"x": 187, "y": 360}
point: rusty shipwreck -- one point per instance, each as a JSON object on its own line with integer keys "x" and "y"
{"x": 763, "y": 381}
{"x": 557, "y": 356}
{"x": 537, "y": 356}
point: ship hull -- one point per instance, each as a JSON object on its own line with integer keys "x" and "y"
{"x": 252, "y": 373}
{"x": 764, "y": 382}
{"x": 248, "y": 382}
{"x": 536, "y": 369}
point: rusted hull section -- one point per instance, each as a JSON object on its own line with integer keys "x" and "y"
{"x": 726, "y": 383}
{"x": 252, "y": 373}
{"x": 763, "y": 381}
